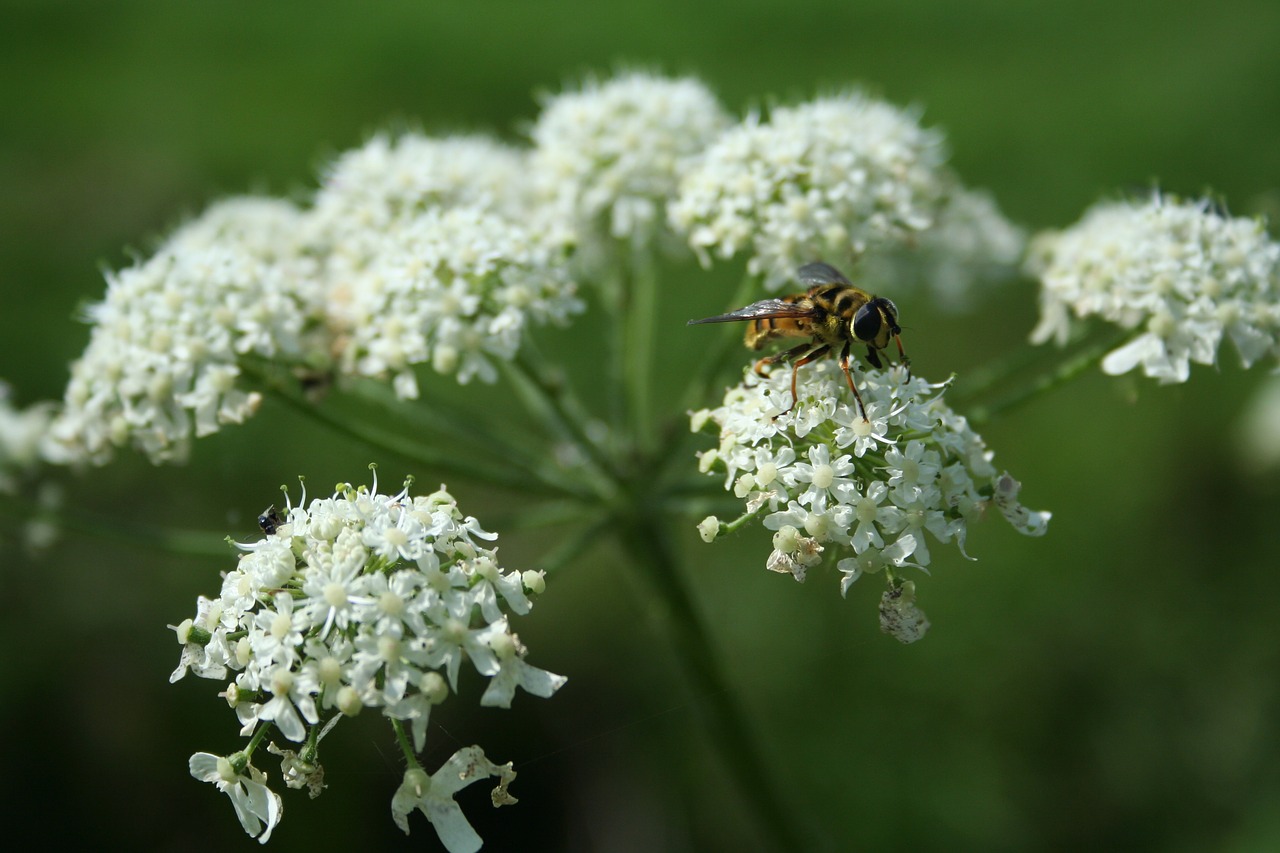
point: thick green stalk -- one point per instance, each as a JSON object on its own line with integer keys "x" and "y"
{"x": 638, "y": 327}
{"x": 647, "y": 544}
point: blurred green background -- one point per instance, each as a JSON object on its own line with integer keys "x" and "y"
{"x": 1115, "y": 684}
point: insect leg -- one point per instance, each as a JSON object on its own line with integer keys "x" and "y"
{"x": 784, "y": 356}
{"x": 795, "y": 370}
{"x": 844, "y": 365}
{"x": 902, "y": 356}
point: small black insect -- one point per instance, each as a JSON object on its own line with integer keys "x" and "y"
{"x": 270, "y": 520}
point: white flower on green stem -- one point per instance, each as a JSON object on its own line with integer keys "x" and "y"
{"x": 290, "y": 703}
{"x": 857, "y": 503}
{"x": 1179, "y": 275}
{"x": 258, "y": 808}
{"x": 433, "y": 796}
{"x": 873, "y": 560}
{"x": 607, "y": 157}
{"x": 207, "y": 659}
{"x": 821, "y": 477}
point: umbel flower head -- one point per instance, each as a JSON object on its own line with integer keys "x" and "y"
{"x": 607, "y": 157}
{"x": 454, "y": 288}
{"x": 360, "y": 600}
{"x": 165, "y": 353}
{"x": 434, "y": 253}
{"x": 864, "y": 495}
{"x": 1179, "y": 274}
{"x": 371, "y": 191}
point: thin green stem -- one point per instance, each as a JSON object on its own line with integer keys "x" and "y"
{"x": 995, "y": 373}
{"x": 545, "y": 514}
{"x": 446, "y": 421}
{"x": 410, "y": 757}
{"x": 552, "y": 402}
{"x": 1082, "y": 360}
{"x": 183, "y": 543}
{"x": 574, "y": 546}
{"x": 737, "y": 524}
{"x": 462, "y": 465}
{"x": 259, "y": 734}
{"x": 647, "y": 544}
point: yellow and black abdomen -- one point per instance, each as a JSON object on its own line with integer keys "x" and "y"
{"x": 765, "y": 329}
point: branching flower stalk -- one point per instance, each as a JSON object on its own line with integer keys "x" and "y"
{"x": 465, "y": 258}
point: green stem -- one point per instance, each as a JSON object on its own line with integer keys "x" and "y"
{"x": 647, "y": 544}
{"x": 638, "y": 325}
{"x": 259, "y": 734}
{"x": 736, "y": 525}
{"x": 410, "y": 757}
{"x": 461, "y": 465}
{"x": 183, "y": 543}
{"x": 1082, "y": 360}
{"x": 551, "y": 401}
{"x": 447, "y": 421}
{"x": 574, "y": 546}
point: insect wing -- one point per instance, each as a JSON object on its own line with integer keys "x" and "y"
{"x": 765, "y": 309}
{"x": 820, "y": 273}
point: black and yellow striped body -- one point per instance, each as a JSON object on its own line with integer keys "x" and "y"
{"x": 828, "y": 310}
{"x": 831, "y": 316}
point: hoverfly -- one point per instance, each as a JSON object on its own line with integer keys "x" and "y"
{"x": 831, "y": 313}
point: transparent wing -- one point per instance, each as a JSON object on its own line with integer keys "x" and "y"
{"x": 763, "y": 310}
{"x": 820, "y": 273}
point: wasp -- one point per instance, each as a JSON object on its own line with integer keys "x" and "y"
{"x": 833, "y": 314}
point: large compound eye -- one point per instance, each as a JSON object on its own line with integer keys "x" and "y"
{"x": 891, "y": 312}
{"x": 867, "y": 322}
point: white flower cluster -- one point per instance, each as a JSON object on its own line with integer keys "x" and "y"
{"x": 858, "y": 493}
{"x": 607, "y": 158}
{"x": 21, "y": 433}
{"x": 163, "y": 360}
{"x": 1180, "y": 273}
{"x": 454, "y": 288}
{"x": 359, "y": 600}
{"x": 373, "y": 190}
{"x": 836, "y": 177}
{"x": 416, "y": 251}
